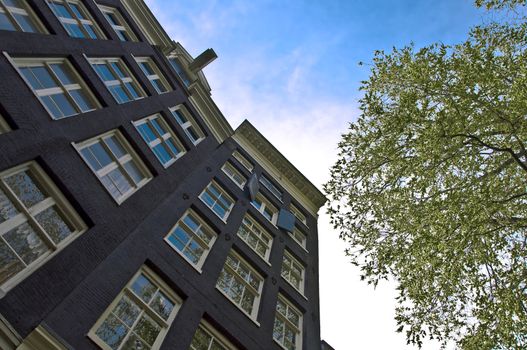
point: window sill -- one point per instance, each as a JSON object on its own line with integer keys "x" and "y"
{"x": 239, "y": 308}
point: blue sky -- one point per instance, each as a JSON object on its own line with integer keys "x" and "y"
{"x": 291, "y": 68}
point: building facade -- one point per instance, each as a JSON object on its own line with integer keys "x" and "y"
{"x": 132, "y": 215}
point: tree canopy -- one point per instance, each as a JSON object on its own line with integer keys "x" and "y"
{"x": 430, "y": 185}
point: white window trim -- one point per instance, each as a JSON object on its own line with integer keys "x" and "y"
{"x": 284, "y": 319}
{"x": 271, "y": 187}
{"x": 191, "y": 122}
{"x": 55, "y": 198}
{"x": 301, "y": 244}
{"x": 186, "y": 80}
{"x": 215, "y": 334}
{"x": 264, "y": 232}
{"x": 298, "y": 214}
{"x": 243, "y": 161}
{"x": 26, "y": 11}
{"x": 131, "y": 154}
{"x": 89, "y": 19}
{"x": 232, "y": 168}
{"x": 158, "y": 75}
{"x": 120, "y": 81}
{"x": 302, "y": 273}
{"x": 164, "y": 137}
{"x": 266, "y": 204}
{"x": 46, "y": 61}
{"x": 176, "y": 299}
{"x": 209, "y": 246}
{"x": 123, "y": 24}
{"x": 223, "y": 194}
{"x": 256, "y": 305}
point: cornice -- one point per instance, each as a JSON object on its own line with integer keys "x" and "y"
{"x": 279, "y": 167}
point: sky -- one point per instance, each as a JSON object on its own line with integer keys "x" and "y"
{"x": 291, "y": 67}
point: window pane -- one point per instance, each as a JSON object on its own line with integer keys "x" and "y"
{"x": 162, "y": 305}
{"x": 175, "y": 149}
{"x": 147, "y": 69}
{"x": 132, "y": 90}
{"x": 120, "y": 181}
{"x": 82, "y": 100}
{"x": 63, "y": 73}
{"x": 100, "y": 156}
{"x": 119, "y": 94}
{"x": 179, "y": 117}
{"x": 112, "y": 331}
{"x": 60, "y": 10}
{"x": 147, "y": 329}
{"x": 146, "y": 132}
{"x": 89, "y": 29}
{"x": 74, "y": 30}
{"x": 5, "y": 23}
{"x": 161, "y": 130}
{"x": 122, "y": 35}
{"x": 134, "y": 172}
{"x": 26, "y": 23}
{"x": 104, "y": 72}
{"x": 43, "y": 77}
{"x": 26, "y": 243}
{"x": 144, "y": 288}
{"x": 53, "y": 224}
{"x": 14, "y": 3}
{"x": 10, "y": 265}
{"x": 64, "y": 105}
{"x": 162, "y": 153}
{"x": 127, "y": 311}
{"x": 159, "y": 86}
{"x": 193, "y": 136}
{"x": 115, "y": 146}
{"x": 25, "y": 188}
{"x": 118, "y": 69}
{"x": 7, "y": 209}
{"x": 51, "y": 106}
{"x": 76, "y": 11}
{"x": 111, "y": 18}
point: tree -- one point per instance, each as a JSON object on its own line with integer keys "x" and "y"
{"x": 430, "y": 185}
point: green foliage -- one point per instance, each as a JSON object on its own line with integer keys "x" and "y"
{"x": 430, "y": 186}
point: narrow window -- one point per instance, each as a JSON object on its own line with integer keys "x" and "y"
{"x": 287, "y": 329}
{"x": 118, "y": 23}
{"x": 271, "y": 187}
{"x": 116, "y": 165}
{"x": 234, "y": 174}
{"x": 76, "y": 19}
{"x": 36, "y": 221}
{"x": 243, "y": 161}
{"x": 241, "y": 284}
{"x": 256, "y": 237}
{"x": 293, "y": 271}
{"x": 179, "y": 70}
{"x": 298, "y": 214}
{"x": 153, "y": 74}
{"x": 17, "y": 15}
{"x": 208, "y": 338}
{"x": 189, "y": 125}
{"x": 299, "y": 237}
{"x": 57, "y": 85}
{"x": 264, "y": 206}
{"x": 118, "y": 79}
{"x": 217, "y": 200}
{"x": 140, "y": 316}
{"x": 160, "y": 138}
{"x": 192, "y": 238}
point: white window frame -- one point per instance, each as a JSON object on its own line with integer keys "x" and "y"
{"x": 180, "y": 70}
{"x": 243, "y": 161}
{"x": 144, "y": 309}
{"x": 256, "y": 230}
{"x": 121, "y": 81}
{"x": 46, "y": 62}
{"x": 233, "y": 173}
{"x": 158, "y": 75}
{"x": 4, "y": 127}
{"x": 298, "y": 214}
{"x": 298, "y": 329}
{"x": 257, "y": 293}
{"x": 301, "y": 241}
{"x": 194, "y": 238}
{"x": 130, "y": 155}
{"x": 266, "y": 204}
{"x": 54, "y": 198}
{"x": 223, "y": 193}
{"x": 161, "y": 138}
{"x": 27, "y": 11}
{"x": 88, "y": 20}
{"x": 121, "y": 26}
{"x": 271, "y": 187}
{"x": 190, "y": 123}
{"x": 215, "y": 336}
{"x": 289, "y": 263}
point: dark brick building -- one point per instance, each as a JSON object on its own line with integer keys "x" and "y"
{"x": 132, "y": 215}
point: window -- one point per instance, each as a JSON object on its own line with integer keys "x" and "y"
{"x": 256, "y": 237}
{"x": 234, "y": 174}
{"x": 241, "y": 284}
{"x": 160, "y": 138}
{"x": 298, "y": 214}
{"x": 189, "y": 125}
{"x": 208, "y": 338}
{"x": 117, "y": 77}
{"x": 4, "y": 127}
{"x": 113, "y": 161}
{"x": 139, "y": 317}
{"x": 265, "y": 208}
{"x": 17, "y": 15}
{"x": 57, "y": 85}
{"x": 118, "y": 23}
{"x": 287, "y": 329}
{"x": 75, "y": 19}
{"x": 36, "y": 221}
{"x": 179, "y": 70}
{"x": 153, "y": 74}
{"x": 293, "y": 271}
{"x": 217, "y": 200}
{"x": 192, "y": 238}
{"x": 299, "y": 237}
{"x": 243, "y": 161}
{"x": 271, "y": 187}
